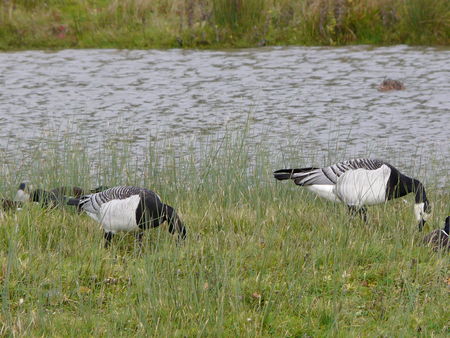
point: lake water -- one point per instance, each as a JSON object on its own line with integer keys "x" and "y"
{"x": 309, "y": 96}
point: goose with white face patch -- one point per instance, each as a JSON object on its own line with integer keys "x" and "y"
{"x": 360, "y": 182}
{"x": 127, "y": 208}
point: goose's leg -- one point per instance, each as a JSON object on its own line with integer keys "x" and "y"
{"x": 108, "y": 237}
{"x": 421, "y": 224}
{"x": 363, "y": 213}
{"x": 139, "y": 236}
{"x": 352, "y": 210}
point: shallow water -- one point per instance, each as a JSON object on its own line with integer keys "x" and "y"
{"x": 313, "y": 97}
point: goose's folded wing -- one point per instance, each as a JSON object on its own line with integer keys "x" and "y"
{"x": 315, "y": 177}
{"x": 92, "y": 203}
{"x": 329, "y": 175}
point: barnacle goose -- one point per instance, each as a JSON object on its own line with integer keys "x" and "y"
{"x": 360, "y": 182}
{"x": 438, "y": 239}
{"x": 128, "y": 208}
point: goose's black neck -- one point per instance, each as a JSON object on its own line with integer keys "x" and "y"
{"x": 400, "y": 185}
{"x": 175, "y": 223}
{"x": 417, "y": 187}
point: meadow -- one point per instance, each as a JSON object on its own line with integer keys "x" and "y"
{"x": 262, "y": 258}
{"x": 56, "y": 24}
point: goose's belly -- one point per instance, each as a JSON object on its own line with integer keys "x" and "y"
{"x": 119, "y": 215}
{"x": 363, "y": 187}
{"x": 325, "y": 191}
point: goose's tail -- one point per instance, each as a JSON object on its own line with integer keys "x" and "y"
{"x": 286, "y": 174}
{"x": 175, "y": 222}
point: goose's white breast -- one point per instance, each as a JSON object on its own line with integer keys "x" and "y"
{"x": 119, "y": 215}
{"x": 22, "y": 196}
{"x": 363, "y": 187}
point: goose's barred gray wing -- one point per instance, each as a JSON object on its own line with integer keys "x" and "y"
{"x": 93, "y": 202}
{"x": 327, "y": 175}
{"x": 119, "y": 193}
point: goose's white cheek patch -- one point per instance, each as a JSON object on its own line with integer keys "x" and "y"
{"x": 419, "y": 212}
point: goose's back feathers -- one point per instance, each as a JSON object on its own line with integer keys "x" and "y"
{"x": 327, "y": 175}
{"x": 92, "y": 203}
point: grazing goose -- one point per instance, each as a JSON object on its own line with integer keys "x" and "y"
{"x": 438, "y": 239}
{"x": 360, "y": 182}
{"x": 126, "y": 208}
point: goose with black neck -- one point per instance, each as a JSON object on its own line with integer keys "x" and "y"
{"x": 360, "y": 182}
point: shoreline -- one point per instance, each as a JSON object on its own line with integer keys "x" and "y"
{"x": 220, "y": 24}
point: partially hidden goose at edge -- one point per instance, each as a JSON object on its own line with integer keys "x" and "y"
{"x": 360, "y": 182}
{"x": 438, "y": 239}
{"x": 128, "y": 208}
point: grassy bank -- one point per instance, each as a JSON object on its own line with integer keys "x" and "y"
{"x": 261, "y": 258}
{"x": 31, "y": 24}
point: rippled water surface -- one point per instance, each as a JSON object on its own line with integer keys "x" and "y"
{"x": 309, "y": 96}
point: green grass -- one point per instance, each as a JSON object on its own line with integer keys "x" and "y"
{"x": 262, "y": 258}
{"x": 39, "y": 24}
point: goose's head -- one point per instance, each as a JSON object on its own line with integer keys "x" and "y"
{"x": 422, "y": 211}
{"x": 23, "y": 193}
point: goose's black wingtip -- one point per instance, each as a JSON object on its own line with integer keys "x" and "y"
{"x": 282, "y": 174}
